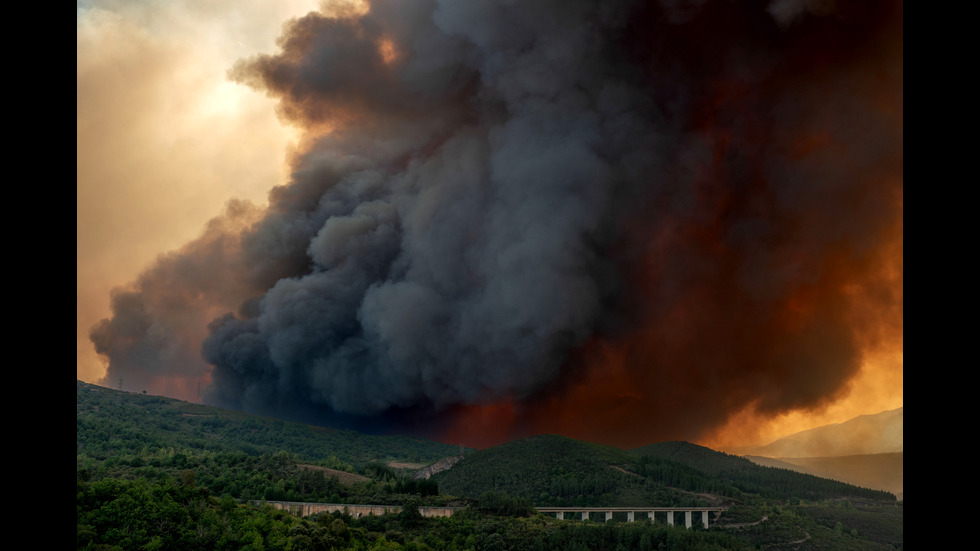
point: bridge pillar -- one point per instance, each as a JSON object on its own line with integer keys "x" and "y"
{"x": 687, "y": 518}
{"x": 585, "y": 515}
{"x": 560, "y": 515}
{"x": 629, "y": 516}
{"x": 670, "y": 518}
{"x": 704, "y": 517}
{"x": 651, "y": 516}
{"x": 608, "y": 516}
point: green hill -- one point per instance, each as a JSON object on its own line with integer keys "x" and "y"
{"x": 114, "y": 423}
{"x": 550, "y": 470}
{"x": 122, "y": 435}
{"x": 558, "y": 471}
{"x": 700, "y": 457}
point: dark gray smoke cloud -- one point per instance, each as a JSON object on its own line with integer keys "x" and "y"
{"x": 521, "y": 179}
{"x": 454, "y": 257}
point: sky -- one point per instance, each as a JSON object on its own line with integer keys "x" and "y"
{"x": 623, "y": 222}
{"x": 164, "y": 139}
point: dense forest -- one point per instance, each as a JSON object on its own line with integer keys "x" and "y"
{"x": 557, "y": 471}
{"x": 156, "y": 473}
{"x": 110, "y": 422}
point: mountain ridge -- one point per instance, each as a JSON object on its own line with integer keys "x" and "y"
{"x": 612, "y": 470}
{"x": 867, "y": 451}
{"x": 862, "y": 435}
{"x": 884, "y": 471}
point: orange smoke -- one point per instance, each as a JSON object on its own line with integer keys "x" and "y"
{"x": 598, "y": 403}
{"x": 482, "y": 425}
{"x": 386, "y": 47}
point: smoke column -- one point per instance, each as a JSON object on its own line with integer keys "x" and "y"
{"x": 622, "y": 221}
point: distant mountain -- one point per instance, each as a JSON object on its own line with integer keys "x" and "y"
{"x": 883, "y": 471}
{"x": 867, "y": 434}
{"x": 866, "y": 451}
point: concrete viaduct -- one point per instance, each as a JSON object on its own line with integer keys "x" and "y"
{"x": 303, "y": 509}
{"x": 631, "y": 512}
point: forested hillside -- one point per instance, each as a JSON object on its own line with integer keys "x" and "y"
{"x": 110, "y": 422}
{"x": 155, "y": 473}
{"x": 558, "y": 471}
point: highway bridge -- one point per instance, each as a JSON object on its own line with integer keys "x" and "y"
{"x": 301, "y": 508}
{"x": 605, "y": 514}
{"x": 634, "y": 513}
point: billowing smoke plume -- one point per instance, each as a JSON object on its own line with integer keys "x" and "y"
{"x": 566, "y": 215}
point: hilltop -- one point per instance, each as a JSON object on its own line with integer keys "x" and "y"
{"x": 111, "y": 422}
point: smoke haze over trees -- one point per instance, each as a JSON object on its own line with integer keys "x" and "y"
{"x": 556, "y": 215}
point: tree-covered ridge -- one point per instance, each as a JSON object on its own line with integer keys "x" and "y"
{"x": 559, "y": 471}
{"x": 124, "y": 436}
{"x": 110, "y": 422}
{"x": 702, "y": 458}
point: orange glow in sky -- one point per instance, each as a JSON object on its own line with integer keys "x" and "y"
{"x": 163, "y": 138}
